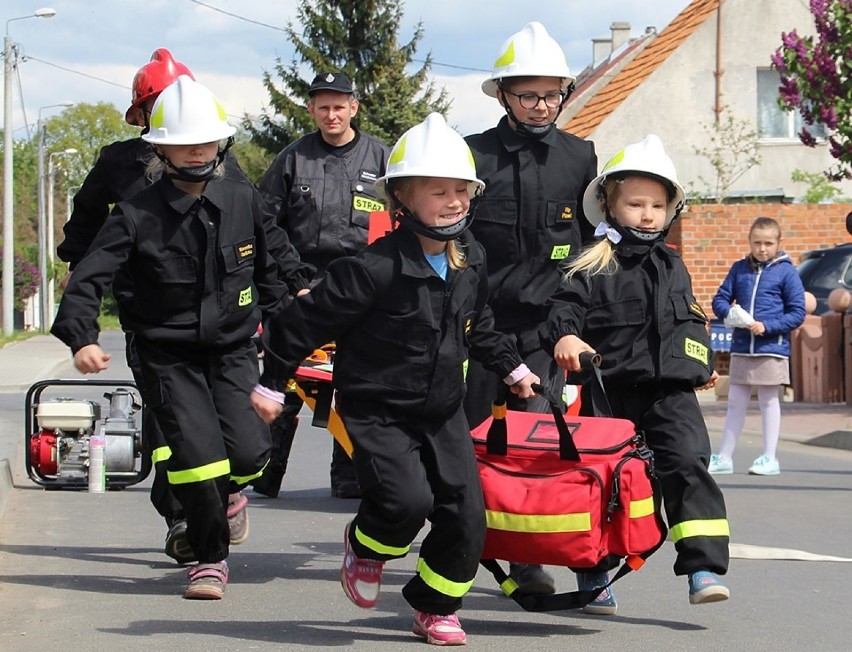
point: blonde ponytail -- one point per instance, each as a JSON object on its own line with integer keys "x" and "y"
{"x": 598, "y": 258}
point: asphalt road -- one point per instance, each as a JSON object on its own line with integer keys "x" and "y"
{"x": 81, "y": 571}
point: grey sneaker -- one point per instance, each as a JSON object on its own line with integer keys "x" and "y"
{"x": 238, "y": 518}
{"x": 532, "y": 579}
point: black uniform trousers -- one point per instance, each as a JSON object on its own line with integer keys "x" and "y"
{"x": 483, "y": 386}
{"x": 153, "y": 445}
{"x": 671, "y": 420}
{"x": 411, "y": 469}
{"x": 200, "y": 399}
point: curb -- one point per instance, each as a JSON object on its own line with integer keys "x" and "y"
{"x": 5, "y": 483}
{"x": 50, "y": 374}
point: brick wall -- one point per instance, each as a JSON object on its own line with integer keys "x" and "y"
{"x": 711, "y": 237}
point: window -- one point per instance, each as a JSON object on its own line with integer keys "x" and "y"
{"x": 772, "y": 121}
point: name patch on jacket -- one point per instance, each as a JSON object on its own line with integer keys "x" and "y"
{"x": 245, "y": 297}
{"x": 566, "y": 214}
{"x": 560, "y": 251}
{"x": 695, "y": 350}
{"x": 244, "y": 250}
{"x": 366, "y": 204}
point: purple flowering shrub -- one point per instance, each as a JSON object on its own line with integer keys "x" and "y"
{"x": 816, "y": 79}
{"x": 27, "y": 279}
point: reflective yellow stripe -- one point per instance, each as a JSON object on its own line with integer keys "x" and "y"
{"x": 200, "y": 473}
{"x": 713, "y": 527}
{"x": 441, "y": 584}
{"x": 245, "y": 479}
{"x": 640, "y": 508}
{"x": 543, "y": 523}
{"x": 161, "y": 454}
{"x": 380, "y": 548}
{"x": 509, "y": 586}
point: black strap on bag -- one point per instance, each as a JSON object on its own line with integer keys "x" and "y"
{"x": 497, "y": 437}
{"x": 496, "y": 444}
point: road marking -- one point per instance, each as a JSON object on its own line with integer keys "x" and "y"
{"x": 746, "y": 551}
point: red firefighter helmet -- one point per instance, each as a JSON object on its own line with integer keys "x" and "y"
{"x": 152, "y": 78}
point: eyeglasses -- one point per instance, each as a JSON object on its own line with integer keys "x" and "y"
{"x": 552, "y": 99}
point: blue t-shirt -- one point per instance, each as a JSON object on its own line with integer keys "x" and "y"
{"x": 438, "y": 263}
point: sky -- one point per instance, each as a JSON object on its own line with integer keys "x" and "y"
{"x": 90, "y": 50}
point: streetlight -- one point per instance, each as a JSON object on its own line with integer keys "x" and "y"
{"x": 42, "y": 220}
{"x": 8, "y": 278}
{"x": 47, "y": 297}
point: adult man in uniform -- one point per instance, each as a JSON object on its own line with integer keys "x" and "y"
{"x": 320, "y": 189}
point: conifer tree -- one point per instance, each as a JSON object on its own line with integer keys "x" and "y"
{"x": 358, "y": 38}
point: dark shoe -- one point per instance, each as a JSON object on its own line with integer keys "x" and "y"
{"x": 347, "y": 488}
{"x": 532, "y": 579}
{"x": 269, "y": 483}
{"x": 177, "y": 547}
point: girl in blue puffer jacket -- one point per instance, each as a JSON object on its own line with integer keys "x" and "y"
{"x": 767, "y": 286}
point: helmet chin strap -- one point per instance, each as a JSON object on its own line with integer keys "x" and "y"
{"x": 635, "y": 236}
{"x": 197, "y": 174}
{"x": 438, "y": 233}
{"x": 535, "y": 132}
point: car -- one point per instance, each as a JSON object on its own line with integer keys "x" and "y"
{"x": 824, "y": 270}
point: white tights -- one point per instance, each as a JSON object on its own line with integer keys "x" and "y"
{"x": 770, "y": 411}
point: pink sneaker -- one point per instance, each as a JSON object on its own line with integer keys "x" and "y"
{"x": 361, "y": 579}
{"x": 439, "y": 630}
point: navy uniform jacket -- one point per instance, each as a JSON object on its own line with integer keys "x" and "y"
{"x": 323, "y": 200}
{"x": 529, "y": 218}
{"x": 643, "y": 320}
{"x": 403, "y": 334}
{"x": 199, "y": 270}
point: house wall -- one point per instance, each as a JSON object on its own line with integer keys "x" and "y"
{"x": 677, "y": 100}
{"x": 711, "y": 237}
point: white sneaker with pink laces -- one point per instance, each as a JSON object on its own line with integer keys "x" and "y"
{"x": 361, "y": 579}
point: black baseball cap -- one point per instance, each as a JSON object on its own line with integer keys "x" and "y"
{"x": 331, "y": 81}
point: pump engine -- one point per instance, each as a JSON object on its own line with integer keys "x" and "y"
{"x": 59, "y": 430}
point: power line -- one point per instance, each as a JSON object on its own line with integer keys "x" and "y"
{"x": 75, "y": 72}
{"x": 237, "y": 16}
{"x": 281, "y": 29}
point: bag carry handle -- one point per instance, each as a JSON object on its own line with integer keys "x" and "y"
{"x": 496, "y": 441}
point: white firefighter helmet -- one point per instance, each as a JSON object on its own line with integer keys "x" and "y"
{"x": 647, "y": 158}
{"x": 431, "y": 149}
{"x": 187, "y": 113}
{"x": 532, "y": 52}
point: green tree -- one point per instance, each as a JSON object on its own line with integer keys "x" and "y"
{"x": 253, "y": 159}
{"x": 816, "y": 79}
{"x": 359, "y": 38}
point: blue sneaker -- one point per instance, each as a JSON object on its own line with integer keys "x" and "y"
{"x": 604, "y": 604}
{"x": 720, "y": 465}
{"x": 705, "y": 587}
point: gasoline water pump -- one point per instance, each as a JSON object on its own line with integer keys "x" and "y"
{"x": 62, "y": 419}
